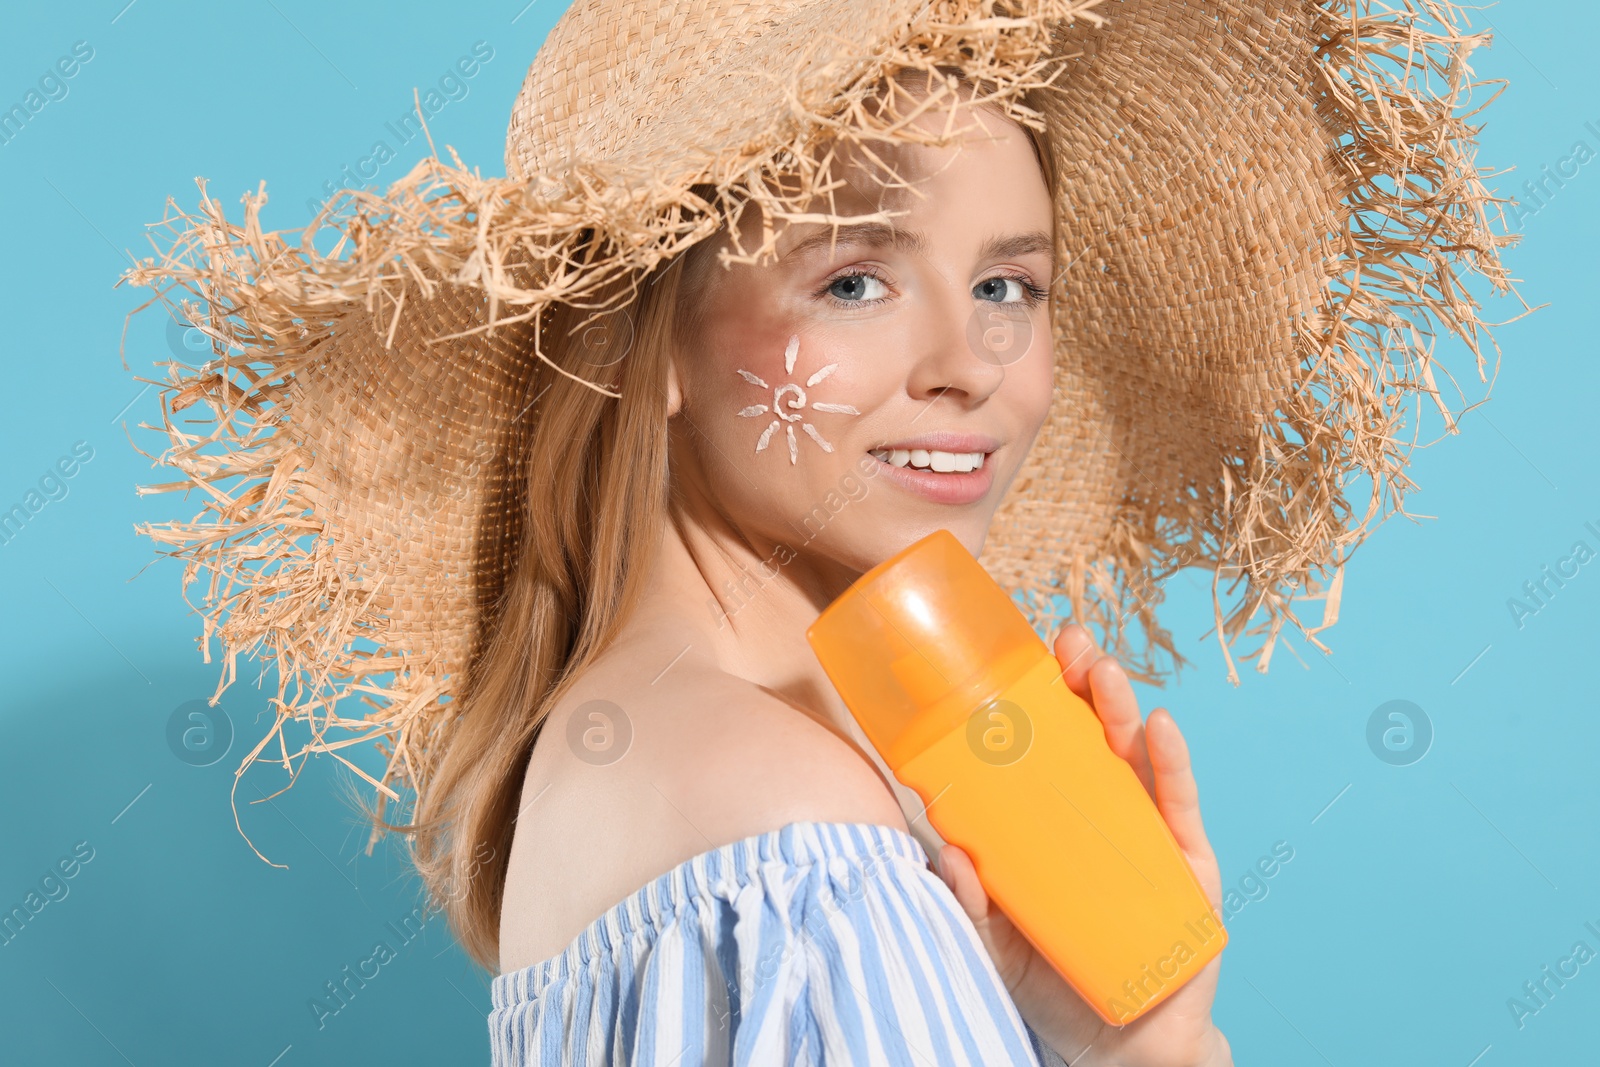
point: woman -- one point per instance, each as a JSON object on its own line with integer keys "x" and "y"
{"x": 734, "y": 731}
{"x": 554, "y": 470}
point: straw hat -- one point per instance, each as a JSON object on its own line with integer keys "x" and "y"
{"x": 1266, "y": 212}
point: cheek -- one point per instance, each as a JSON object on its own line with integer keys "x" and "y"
{"x": 793, "y": 365}
{"x": 1030, "y": 382}
{"x": 751, "y": 343}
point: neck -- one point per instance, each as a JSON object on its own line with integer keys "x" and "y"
{"x": 744, "y": 601}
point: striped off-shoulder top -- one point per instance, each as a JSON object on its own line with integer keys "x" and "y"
{"x": 818, "y": 943}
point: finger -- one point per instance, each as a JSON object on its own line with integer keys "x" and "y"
{"x": 956, "y": 868}
{"x": 1118, "y": 708}
{"x": 1076, "y": 652}
{"x": 1178, "y": 798}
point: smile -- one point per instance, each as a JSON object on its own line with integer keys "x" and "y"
{"x": 930, "y": 459}
{"x": 936, "y": 475}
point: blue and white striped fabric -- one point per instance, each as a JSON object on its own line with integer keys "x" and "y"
{"x": 819, "y": 943}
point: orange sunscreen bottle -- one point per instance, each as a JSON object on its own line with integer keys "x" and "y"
{"x": 968, "y": 708}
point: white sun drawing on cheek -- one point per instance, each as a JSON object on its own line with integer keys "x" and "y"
{"x": 796, "y": 402}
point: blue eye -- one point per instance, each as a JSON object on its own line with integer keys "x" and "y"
{"x": 856, "y": 288}
{"x": 1008, "y": 290}
{"x": 863, "y": 287}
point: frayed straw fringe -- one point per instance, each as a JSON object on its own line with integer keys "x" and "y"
{"x": 1416, "y": 209}
{"x": 1416, "y": 216}
{"x": 277, "y": 589}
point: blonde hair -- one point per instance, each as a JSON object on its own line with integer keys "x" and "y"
{"x": 591, "y": 515}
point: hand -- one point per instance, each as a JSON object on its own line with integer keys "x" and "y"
{"x": 1178, "y": 1032}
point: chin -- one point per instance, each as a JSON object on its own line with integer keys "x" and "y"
{"x": 862, "y": 515}
{"x": 891, "y": 535}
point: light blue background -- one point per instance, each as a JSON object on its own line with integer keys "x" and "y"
{"x": 1419, "y": 899}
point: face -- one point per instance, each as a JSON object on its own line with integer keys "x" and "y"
{"x": 870, "y": 388}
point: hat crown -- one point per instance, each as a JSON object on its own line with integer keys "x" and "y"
{"x": 635, "y": 86}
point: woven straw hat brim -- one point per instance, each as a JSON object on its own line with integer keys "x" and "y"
{"x": 1266, "y": 211}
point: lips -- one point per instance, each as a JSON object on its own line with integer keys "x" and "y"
{"x": 918, "y": 470}
{"x": 945, "y": 441}
{"x": 938, "y": 461}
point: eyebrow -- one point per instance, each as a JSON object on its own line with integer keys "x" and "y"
{"x": 916, "y": 242}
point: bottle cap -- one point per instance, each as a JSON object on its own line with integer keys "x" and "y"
{"x": 921, "y": 641}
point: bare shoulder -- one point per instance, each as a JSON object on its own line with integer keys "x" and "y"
{"x": 636, "y": 771}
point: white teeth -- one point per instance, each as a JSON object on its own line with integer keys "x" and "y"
{"x": 931, "y": 459}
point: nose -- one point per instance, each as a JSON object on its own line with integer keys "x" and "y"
{"x": 947, "y": 363}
